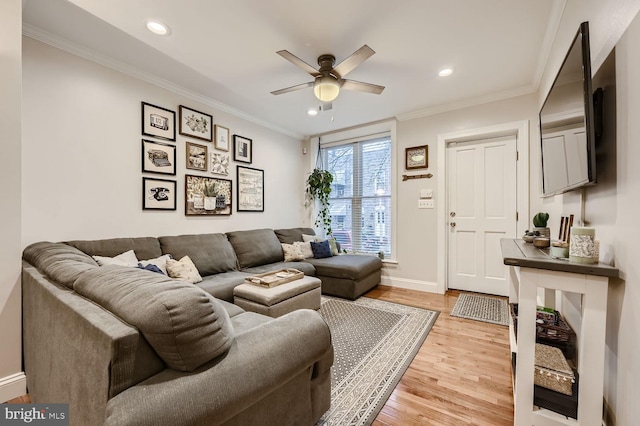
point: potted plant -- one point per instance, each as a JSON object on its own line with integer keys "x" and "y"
{"x": 540, "y": 224}
{"x": 210, "y": 193}
{"x": 319, "y": 189}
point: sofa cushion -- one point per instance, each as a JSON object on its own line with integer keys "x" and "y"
{"x": 58, "y": 261}
{"x": 348, "y": 266}
{"x": 288, "y": 236}
{"x": 256, "y": 247}
{"x": 221, "y": 285}
{"x": 144, "y": 247}
{"x": 211, "y": 253}
{"x": 185, "y": 325}
{"x": 321, "y": 249}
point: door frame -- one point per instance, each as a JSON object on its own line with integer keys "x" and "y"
{"x": 521, "y": 131}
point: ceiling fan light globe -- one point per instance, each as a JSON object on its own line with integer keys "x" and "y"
{"x": 326, "y": 88}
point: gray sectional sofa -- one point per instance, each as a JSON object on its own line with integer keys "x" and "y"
{"x": 125, "y": 346}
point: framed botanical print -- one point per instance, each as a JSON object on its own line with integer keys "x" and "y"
{"x": 196, "y": 156}
{"x": 219, "y": 163}
{"x": 250, "y": 189}
{"x": 158, "y": 122}
{"x": 207, "y": 196}
{"x": 242, "y": 148}
{"x": 221, "y": 138}
{"x": 158, "y": 194}
{"x": 195, "y": 124}
{"x": 158, "y": 157}
{"x": 416, "y": 157}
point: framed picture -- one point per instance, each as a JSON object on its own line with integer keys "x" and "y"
{"x": 196, "y": 156}
{"x": 158, "y": 194}
{"x": 158, "y": 122}
{"x": 195, "y": 124}
{"x": 416, "y": 157}
{"x": 221, "y": 138}
{"x": 207, "y": 196}
{"x": 242, "y": 148}
{"x": 219, "y": 163}
{"x": 250, "y": 189}
{"x": 158, "y": 157}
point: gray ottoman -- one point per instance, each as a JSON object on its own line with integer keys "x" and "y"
{"x": 277, "y": 301}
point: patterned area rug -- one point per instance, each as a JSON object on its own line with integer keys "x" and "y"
{"x": 482, "y": 308}
{"x": 374, "y": 343}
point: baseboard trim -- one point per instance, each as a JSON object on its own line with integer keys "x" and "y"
{"x": 13, "y": 386}
{"x": 409, "y": 284}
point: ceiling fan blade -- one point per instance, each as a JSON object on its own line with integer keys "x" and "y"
{"x": 358, "y": 57}
{"x": 362, "y": 87}
{"x": 292, "y": 88}
{"x": 326, "y": 106}
{"x": 298, "y": 62}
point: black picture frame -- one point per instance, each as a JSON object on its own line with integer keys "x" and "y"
{"x": 158, "y": 157}
{"x": 158, "y": 194}
{"x": 250, "y": 189}
{"x": 195, "y": 124}
{"x": 242, "y": 149}
{"x": 158, "y": 122}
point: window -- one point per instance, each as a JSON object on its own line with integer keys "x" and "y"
{"x": 361, "y": 194}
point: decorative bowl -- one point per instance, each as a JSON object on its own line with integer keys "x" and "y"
{"x": 541, "y": 242}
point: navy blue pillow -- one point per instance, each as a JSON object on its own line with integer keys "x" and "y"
{"x": 150, "y": 267}
{"x": 321, "y": 250}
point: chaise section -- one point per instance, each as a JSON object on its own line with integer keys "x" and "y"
{"x": 348, "y": 275}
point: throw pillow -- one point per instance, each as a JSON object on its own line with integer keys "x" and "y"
{"x": 159, "y": 262}
{"x": 128, "y": 258}
{"x": 292, "y": 253}
{"x": 334, "y": 246}
{"x": 308, "y": 238}
{"x": 150, "y": 267}
{"x": 320, "y": 250}
{"x": 305, "y": 248}
{"x": 183, "y": 269}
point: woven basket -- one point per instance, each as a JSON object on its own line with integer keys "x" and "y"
{"x": 552, "y": 370}
{"x": 547, "y": 333}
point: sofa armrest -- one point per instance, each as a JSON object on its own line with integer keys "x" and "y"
{"x": 259, "y": 362}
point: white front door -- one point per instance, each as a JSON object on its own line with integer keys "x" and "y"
{"x": 481, "y": 179}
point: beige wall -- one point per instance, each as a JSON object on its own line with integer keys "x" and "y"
{"x": 11, "y": 378}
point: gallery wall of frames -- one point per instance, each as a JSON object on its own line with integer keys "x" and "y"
{"x": 209, "y": 151}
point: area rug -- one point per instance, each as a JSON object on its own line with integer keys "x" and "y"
{"x": 374, "y": 343}
{"x": 482, "y": 308}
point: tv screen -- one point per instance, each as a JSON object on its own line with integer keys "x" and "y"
{"x": 567, "y": 123}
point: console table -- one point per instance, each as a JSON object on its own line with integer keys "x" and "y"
{"x": 531, "y": 268}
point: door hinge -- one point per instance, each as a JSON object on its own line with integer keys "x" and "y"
{"x": 517, "y": 216}
{"x": 517, "y": 155}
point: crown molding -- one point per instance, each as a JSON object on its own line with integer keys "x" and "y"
{"x": 109, "y": 62}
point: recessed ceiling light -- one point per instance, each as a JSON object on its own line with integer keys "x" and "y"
{"x": 445, "y": 72}
{"x": 312, "y": 112}
{"x": 158, "y": 27}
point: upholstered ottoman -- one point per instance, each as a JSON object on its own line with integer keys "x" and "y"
{"x": 303, "y": 293}
{"x": 348, "y": 275}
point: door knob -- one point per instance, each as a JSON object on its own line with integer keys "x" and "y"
{"x": 452, "y": 214}
{"x": 452, "y": 224}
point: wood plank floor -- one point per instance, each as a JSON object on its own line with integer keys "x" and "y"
{"x": 460, "y": 376}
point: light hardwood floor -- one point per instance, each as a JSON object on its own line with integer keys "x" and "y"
{"x": 460, "y": 376}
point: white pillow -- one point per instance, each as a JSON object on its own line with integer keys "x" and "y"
{"x": 292, "y": 253}
{"x": 183, "y": 269}
{"x": 128, "y": 258}
{"x": 160, "y": 262}
{"x": 305, "y": 248}
{"x": 308, "y": 238}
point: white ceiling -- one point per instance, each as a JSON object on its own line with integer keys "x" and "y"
{"x": 224, "y": 51}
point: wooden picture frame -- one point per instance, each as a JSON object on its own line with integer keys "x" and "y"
{"x": 219, "y": 163}
{"x": 416, "y": 157}
{"x": 158, "y": 194}
{"x": 198, "y": 201}
{"x": 158, "y": 157}
{"x": 196, "y": 156}
{"x": 242, "y": 149}
{"x": 158, "y": 122}
{"x": 195, "y": 124}
{"x": 250, "y": 192}
{"x": 221, "y": 140}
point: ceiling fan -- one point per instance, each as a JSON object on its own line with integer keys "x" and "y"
{"x": 329, "y": 78}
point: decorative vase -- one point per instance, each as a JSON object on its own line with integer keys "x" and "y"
{"x": 209, "y": 203}
{"x": 582, "y": 247}
{"x": 220, "y": 202}
{"x": 544, "y": 232}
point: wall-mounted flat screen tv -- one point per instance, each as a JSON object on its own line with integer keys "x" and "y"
{"x": 567, "y": 123}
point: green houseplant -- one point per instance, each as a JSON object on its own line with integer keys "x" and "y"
{"x": 319, "y": 189}
{"x": 540, "y": 224}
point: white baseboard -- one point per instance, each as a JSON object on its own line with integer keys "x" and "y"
{"x": 13, "y": 386}
{"x": 426, "y": 286}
